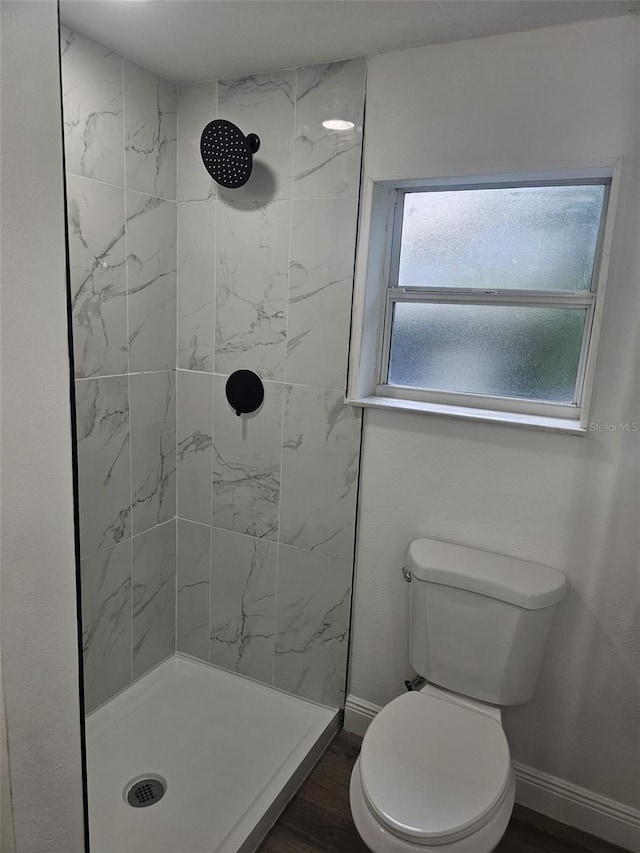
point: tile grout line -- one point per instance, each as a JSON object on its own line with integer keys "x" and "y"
{"x": 265, "y": 381}
{"x": 136, "y": 536}
{"x": 211, "y": 417}
{"x": 214, "y": 273}
{"x": 127, "y": 372}
{"x": 175, "y": 588}
{"x": 176, "y": 362}
{"x": 122, "y": 187}
{"x": 200, "y": 200}
{"x": 191, "y": 521}
{"x": 126, "y": 289}
{"x": 284, "y": 389}
{"x": 311, "y": 550}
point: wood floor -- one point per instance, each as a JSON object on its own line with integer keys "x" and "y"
{"x": 318, "y": 819}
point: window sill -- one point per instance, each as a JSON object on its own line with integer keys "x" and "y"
{"x": 566, "y": 426}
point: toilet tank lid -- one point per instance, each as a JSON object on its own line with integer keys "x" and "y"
{"x": 518, "y": 582}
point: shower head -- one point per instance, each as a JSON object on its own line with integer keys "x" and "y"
{"x": 227, "y": 153}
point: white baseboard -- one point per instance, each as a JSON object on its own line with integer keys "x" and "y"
{"x": 568, "y": 803}
{"x": 615, "y": 822}
{"x": 358, "y": 713}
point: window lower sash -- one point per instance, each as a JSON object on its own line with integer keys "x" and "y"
{"x": 584, "y": 301}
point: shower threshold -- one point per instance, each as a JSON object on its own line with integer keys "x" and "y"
{"x": 232, "y": 752}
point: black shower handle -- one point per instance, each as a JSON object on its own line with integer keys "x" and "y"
{"x": 245, "y": 392}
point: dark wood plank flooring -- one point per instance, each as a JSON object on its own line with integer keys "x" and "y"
{"x": 318, "y": 819}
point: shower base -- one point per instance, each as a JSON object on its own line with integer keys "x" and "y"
{"x": 232, "y": 752}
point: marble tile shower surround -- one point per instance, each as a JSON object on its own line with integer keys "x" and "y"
{"x": 153, "y": 449}
{"x": 265, "y": 277}
{"x": 251, "y": 286}
{"x": 120, "y": 125}
{"x": 120, "y": 145}
{"x": 128, "y": 610}
{"x": 247, "y": 458}
{"x": 93, "y": 109}
{"x": 151, "y": 282}
{"x": 227, "y": 538}
{"x": 150, "y": 125}
{"x": 96, "y": 217}
{"x": 196, "y": 261}
{"x": 243, "y": 604}
{"x": 193, "y": 588}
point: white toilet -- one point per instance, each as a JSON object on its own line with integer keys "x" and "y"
{"x": 434, "y": 771}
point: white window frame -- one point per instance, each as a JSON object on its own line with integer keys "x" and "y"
{"x": 376, "y": 291}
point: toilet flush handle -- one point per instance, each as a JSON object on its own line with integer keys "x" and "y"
{"x": 406, "y": 574}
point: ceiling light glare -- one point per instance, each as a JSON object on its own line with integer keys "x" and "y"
{"x": 338, "y": 124}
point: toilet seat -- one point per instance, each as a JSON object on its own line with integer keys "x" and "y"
{"x": 432, "y": 771}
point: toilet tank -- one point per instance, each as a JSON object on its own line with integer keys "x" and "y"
{"x": 480, "y": 621}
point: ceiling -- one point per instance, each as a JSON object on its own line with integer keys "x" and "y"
{"x": 193, "y": 40}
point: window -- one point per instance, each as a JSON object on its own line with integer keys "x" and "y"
{"x": 491, "y": 287}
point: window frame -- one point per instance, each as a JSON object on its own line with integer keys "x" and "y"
{"x": 377, "y": 291}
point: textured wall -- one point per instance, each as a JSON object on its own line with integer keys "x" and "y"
{"x": 38, "y": 638}
{"x": 120, "y": 145}
{"x": 564, "y": 94}
{"x": 266, "y": 503}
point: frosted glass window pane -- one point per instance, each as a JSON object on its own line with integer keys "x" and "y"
{"x": 541, "y": 238}
{"x": 498, "y": 350}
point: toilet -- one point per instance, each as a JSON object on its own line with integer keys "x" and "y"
{"x": 434, "y": 770}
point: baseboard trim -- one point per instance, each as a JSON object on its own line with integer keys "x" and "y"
{"x": 568, "y": 803}
{"x": 614, "y": 822}
{"x": 358, "y": 713}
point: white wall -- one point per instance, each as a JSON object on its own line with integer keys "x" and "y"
{"x": 562, "y": 94}
{"x": 38, "y": 641}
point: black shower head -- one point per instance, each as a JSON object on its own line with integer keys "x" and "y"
{"x": 227, "y": 153}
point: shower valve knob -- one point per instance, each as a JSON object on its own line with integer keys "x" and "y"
{"x": 245, "y": 392}
{"x": 253, "y": 142}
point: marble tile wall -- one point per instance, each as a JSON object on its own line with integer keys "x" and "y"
{"x": 265, "y": 276}
{"x": 229, "y": 539}
{"x": 120, "y": 126}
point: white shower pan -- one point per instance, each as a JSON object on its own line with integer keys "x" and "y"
{"x": 232, "y": 751}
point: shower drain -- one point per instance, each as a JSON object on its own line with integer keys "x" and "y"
{"x": 145, "y": 791}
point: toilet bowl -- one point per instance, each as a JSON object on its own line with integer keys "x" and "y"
{"x": 433, "y": 774}
{"x": 434, "y": 771}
